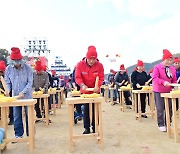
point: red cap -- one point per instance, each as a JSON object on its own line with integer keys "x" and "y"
{"x": 122, "y": 68}
{"x": 140, "y": 63}
{"x": 91, "y": 53}
{"x": 2, "y": 65}
{"x": 166, "y": 54}
{"x": 176, "y": 60}
{"x": 15, "y": 54}
{"x": 53, "y": 72}
{"x": 38, "y": 66}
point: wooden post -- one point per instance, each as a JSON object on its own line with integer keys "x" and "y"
{"x": 167, "y": 117}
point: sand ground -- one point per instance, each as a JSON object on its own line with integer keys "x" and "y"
{"x": 122, "y": 135}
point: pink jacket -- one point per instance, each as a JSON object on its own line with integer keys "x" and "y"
{"x": 159, "y": 77}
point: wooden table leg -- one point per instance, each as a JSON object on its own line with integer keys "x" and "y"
{"x": 122, "y": 99}
{"x": 46, "y": 111}
{"x": 59, "y": 100}
{"x": 31, "y": 129}
{"x": 71, "y": 113}
{"x": 96, "y": 117}
{"x": 151, "y": 104}
{"x": 100, "y": 125}
{"x": 54, "y": 104}
{"x": 106, "y": 95}
{"x": 167, "y": 117}
{"x": 174, "y": 120}
{"x": 111, "y": 96}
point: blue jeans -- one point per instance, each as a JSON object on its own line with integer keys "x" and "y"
{"x": 114, "y": 94}
{"x": 18, "y": 123}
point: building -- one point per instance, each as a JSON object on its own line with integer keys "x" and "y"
{"x": 60, "y": 67}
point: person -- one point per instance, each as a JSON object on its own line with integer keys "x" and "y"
{"x": 122, "y": 79}
{"x": 40, "y": 82}
{"x": 111, "y": 81}
{"x": 78, "y": 114}
{"x": 163, "y": 75}
{"x": 50, "y": 85}
{"x": 85, "y": 76}
{"x": 138, "y": 79}
{"x": 19, "y": 79}
{"x": 177, "y": 67}
{"x": 55, "y": 85}
{"x": 2, "y": 70}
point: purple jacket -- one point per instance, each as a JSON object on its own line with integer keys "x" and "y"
{"x": 159, "y": 77}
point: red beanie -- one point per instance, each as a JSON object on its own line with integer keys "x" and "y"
{"x": 166, "y": 54}
{"x": 61, "y": 77}
{"x": 53, "y": 72}
{"x": 140, "y": 63}
{"x": 91, "y": 53}
{"x": 38, "y": 66}
{"x": 176, "y": 60}
{"x": 122, "y": 68}
{"x": 15, "y": 54}
{"x": 44, "y": 68}
{"x": 2, "y": 65}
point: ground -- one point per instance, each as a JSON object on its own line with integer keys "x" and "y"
{"x": 122, "y": 135}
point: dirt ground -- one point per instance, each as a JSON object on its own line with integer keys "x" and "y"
{"x": 122, "y": 135}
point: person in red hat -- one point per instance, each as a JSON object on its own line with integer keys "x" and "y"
{"x": 139, "y": 78}
{"x": 40, "y": 83}
{"x": 85, "y": 76}
{"x": 177, "y": 67}
{"x": 163, "y": 75}
{"x": 122, "y": 79}
{"x": 2, "y": 70}
{"x": 19, "y": 79}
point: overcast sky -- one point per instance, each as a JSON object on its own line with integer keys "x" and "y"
{"x": 135, "y": 29}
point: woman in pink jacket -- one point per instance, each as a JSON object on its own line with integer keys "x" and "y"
{"x": 163, "y": 75}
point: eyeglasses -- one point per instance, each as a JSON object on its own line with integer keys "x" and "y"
{"x": 1, "y": 71}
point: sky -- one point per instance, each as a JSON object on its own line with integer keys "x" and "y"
{"x": 135, "y": 29}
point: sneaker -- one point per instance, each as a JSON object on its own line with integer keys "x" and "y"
{"x": 38, "y": 121}
{"x": 144, "y": 116}
{"x": 162, "y": 128}
{"x": 75, "y": 121}
{"x": 86, "y": 131}
{"x": 11, "y": 123}
{"x": 16, "y": 138}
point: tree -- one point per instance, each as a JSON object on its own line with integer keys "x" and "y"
{"x": 4, "y": 54}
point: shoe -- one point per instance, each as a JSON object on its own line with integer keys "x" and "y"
{"x": 144, "y": 116}
{"x": 16, "y": 138}
{"x": 86, "y": 131}
{"x": 75, "y": 121}
{"x": 93, "y": 130}
{"x": 162, "y": 128}
{"x": 38, "y": 121}
{"x": 11, "y": 123}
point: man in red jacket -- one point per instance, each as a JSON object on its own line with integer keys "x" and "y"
{"x": 85, "y": 76}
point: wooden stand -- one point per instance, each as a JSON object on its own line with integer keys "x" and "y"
{"x": 53, "y": 93}
{"x": 175, "y": 129}
{"x": 105, "y": 92}
{"x": 121, "y": 97}
{"x": 31, "y": 138}
{"x": 98, "y": 118}
{"x": 45, "y": 97}
{"x": 59, "y": 98}
{"x": 137, "y": 106}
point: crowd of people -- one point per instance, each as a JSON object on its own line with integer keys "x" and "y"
{"x": 21, "y": 80}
